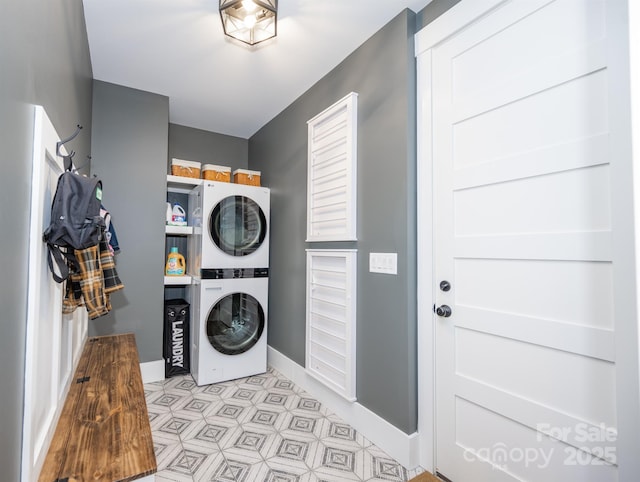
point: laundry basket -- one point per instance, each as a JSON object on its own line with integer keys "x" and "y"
{"x": 175, "y": 349}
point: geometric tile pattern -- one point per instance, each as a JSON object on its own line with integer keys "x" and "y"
{"x": 387, "y": 469}
{"x": 339, "y": 459}
{"x": 302, "y": 424}
{"x": 251, "y": 441}
{"x": 293, "y": 449}
{"x": 309, "y": 404}
{"x": 244, "y": 394}
{"x": 276, "y": 399}
{"x": 265, "y": 417}
{"x": 342, "y": 431}
{"x": 259, "y": 428}
{"x": 211, "y": 433}
{"x": 230, "y": 411}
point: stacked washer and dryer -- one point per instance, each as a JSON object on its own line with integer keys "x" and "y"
{"x": 230, "y": 261}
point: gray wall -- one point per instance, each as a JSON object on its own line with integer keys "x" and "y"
{"x": 130, "y": 138}
{"x": 207, "y": 147}
{"x": 432, "y": 11}
{"x": 382, "y": 72}
{"x": 44, "y": 59}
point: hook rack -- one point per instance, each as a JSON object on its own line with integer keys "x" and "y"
{"x": 68, "y": 159}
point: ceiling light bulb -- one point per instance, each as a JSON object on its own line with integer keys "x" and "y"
{"x": 250, "y": 21}
{"x": 248, "y": 5}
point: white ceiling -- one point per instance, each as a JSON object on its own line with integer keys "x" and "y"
{"x": 177, "y": 48}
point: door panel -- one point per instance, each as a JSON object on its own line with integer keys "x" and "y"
{"x": 525, "y": 365}
{"x": 505, "y": 51}
{"x": 539, "y": 454}
{"x": 505, "y": 127}
{"x": 515, "y": 366}
{"x": 53, "y": 340}
{"x": 536, "y": 204}
{"x": 573, "y": 292}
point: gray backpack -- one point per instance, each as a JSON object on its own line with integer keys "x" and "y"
{"x": 75, "y": 221}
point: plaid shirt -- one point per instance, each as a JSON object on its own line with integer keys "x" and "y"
{"x": 93, "y": 281}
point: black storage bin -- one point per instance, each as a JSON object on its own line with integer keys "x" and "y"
{"x": 175, "y": 348}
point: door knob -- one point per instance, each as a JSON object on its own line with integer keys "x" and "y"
{"x": 444, "y": 311}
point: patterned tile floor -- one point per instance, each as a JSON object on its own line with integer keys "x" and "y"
{"x": 260, "y": 428}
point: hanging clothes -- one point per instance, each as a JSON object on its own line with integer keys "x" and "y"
{"x": 94, "y": 281}
{"x": 110, "y": 230}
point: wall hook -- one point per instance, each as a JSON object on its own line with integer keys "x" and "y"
{"x": 68, "y": 159}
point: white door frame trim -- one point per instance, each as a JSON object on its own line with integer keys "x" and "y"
{"x": 426, "y": 325}
{"x": 623, "y": 236}
{"x": 625, "y": 274}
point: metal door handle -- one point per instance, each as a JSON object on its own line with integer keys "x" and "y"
{"x": 444, "y": 311}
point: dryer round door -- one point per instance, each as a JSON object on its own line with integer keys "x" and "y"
{"x": 237, "y": 225}
{"x": 235, "y": 323}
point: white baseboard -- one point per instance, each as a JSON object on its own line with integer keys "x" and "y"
{"x": 152, "y": 371}
{"x": 402, "y": 447}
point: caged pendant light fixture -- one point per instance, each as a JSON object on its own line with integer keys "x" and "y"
{"x": 250, "y": 21}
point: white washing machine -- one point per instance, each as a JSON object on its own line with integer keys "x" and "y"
{"x": 231, "y": 226}
{"x": 229, "y": 334}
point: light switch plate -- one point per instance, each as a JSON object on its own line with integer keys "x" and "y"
{"x": 386, "y": 263}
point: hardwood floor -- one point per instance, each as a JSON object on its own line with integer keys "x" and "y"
{"x": 425, "y": 477}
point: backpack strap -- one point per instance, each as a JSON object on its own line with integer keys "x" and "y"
{"x": 63, "y": 260}
{"x": 56, "y": 255}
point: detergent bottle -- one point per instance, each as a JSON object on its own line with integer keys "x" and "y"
{"x": 178, "y": 216}
{"x": 175, "y": 263}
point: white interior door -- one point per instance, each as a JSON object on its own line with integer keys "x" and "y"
{"x": 525, "y": 364}
{"x": 54, "y": 340}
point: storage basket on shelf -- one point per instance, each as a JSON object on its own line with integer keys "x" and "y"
{"x": 211, "y": 172}
{"x": 244, "y": 176}
{"x": 180, "y": 167}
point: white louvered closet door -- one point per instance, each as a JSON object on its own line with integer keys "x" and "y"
{"x": 331, "y": 274}
{"x": 331, "y": 174}
{"x": 331, "y": 314}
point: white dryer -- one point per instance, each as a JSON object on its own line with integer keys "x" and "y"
{"x": 231, "y": 226}
{"x": 229, "y": 334}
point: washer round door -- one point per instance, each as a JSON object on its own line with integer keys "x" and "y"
{"x": 237, "y": 225}
{"x": 235, "y": 323}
